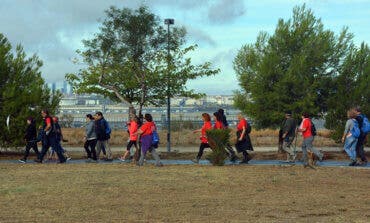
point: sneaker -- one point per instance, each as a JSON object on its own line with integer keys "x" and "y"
{"x": 121, "y": 159}
{"x": 243, "y": 162}
{"x": 353, "y": 163}
{"x": 22, "y": 160}
{"x": 196, "y": 160}
{"x": 108, "y": 160}
{"x": 233, "y": 159}
{"x": 88, "y": 160}
{"x": 159, "y": 165}
{"x": 69, "y": 158}
{"x": 37, "y": 161}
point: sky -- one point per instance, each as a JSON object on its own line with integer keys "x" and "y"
{"x": 54, "y": 29}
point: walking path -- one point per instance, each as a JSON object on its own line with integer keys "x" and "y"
{"x": 206, "y": 162}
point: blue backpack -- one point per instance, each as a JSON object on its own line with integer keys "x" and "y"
{"x": 108, "y": 130}
{"x": 355, "y": 131}
{"x": 365, "y": 124}
{"x": 155, "y": 139}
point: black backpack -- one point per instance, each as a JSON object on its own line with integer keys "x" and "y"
{"x": 313, "y": 129}
{"x": 249, "y": 128}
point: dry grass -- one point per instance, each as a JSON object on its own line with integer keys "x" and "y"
{"x": 125, "y": 193}
{"x": 266, "y": 137}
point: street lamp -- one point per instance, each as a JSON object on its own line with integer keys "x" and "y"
{"x": 168, "y": 22}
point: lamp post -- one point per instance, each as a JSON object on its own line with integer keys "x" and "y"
{"x": 168, "y": 22}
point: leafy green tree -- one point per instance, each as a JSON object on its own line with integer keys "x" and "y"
{"x": 291, "y": 70}
{"x": 127, "y": 60}
{"x": 23, "y": 92}
{"x": 351, "y": 88}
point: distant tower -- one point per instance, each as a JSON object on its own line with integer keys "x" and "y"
{"x": 65, "y": 87}
{"x": 53, "y": 87}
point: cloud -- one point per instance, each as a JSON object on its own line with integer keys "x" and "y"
{"x": 226, "y": 11}
{"x": 199, "y": 36}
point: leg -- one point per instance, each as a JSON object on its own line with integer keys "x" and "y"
{"x": 58, "y": 149}
{"x": 92, "y": 144}
{"x": 350, "y": 148}
{"x": 27, "y": 150}
{"x": 44, "y": 150}
{"x": 107, "y": 149}
{"x": 156, "y": 157}
{"x": 86, "y": 146}
{"x": 360, "y": 148}
{"x": 35, "y": 149}
{"x": 141, "y": 160}
{"x": 304, "y": 151}
{"x": 98, "y": 148}
{"x": 287, "y": 148}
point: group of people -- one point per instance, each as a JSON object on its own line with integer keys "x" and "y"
{"x": 353, "y": 144}
{"x": 243, "y": 143}
{"x": 143, "y": 136}
{"x": 49, "y": 134}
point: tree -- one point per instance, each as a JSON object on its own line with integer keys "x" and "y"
{"x": 351, "y": 88}
{"x": 127, "y": 60}
{"x": 291, "y": 70}
{"x": 23, "y": 92}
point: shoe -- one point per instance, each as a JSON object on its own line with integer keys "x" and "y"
{"x": 234, "y": 159}
{"x": 159, "y": 165}
{"x": 22, "y": 160}
{"x": 69, "y": 158}
{"x": 196, "y": 160}
{"x": 88, "y": 160}
{"x": 363, "y": 163}
{"x": 353, "y": 163}
{"x": 108, "y": 160}
{"x": 121, "y": 159}
{"x": 243, "y": 162}
{"x": 37, "y": 161}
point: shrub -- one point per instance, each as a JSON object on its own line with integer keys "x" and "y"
{"x": 218, "y": 139}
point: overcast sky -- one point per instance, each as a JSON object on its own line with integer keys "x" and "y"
{"x": 53, "y": 29}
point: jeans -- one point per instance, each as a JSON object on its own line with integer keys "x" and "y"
{"x": 287, "y": 148}
{"x": 350, "y": 147}
{"x": 90, "y": 143}
{"x": 307, "y": 145}
{"x": 51, "y": 141}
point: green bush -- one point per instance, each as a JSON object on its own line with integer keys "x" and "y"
{"x": 218, "y": 139}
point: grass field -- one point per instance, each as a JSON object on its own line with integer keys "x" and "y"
{"x": 127, "y": 193}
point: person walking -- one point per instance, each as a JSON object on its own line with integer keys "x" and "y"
{"x": 90, "y": 139}
{"x": 306, "y": 129}
{"x": 243, "y": 140}
{"x": 59, "y": 136}
{"x": 132, "y": 129}
{"x": 103, "y": 132}
{"x": 349, "y": 138}
{"x": 362, "y": 138}
{"x": 49, "y": 138}
{"x": 288, "y": 130}
{"x": 207, "y": 125}
{"x": 146, "y": 133}
{"x": 30, "y": 139}
{"x": 221, "y": 115}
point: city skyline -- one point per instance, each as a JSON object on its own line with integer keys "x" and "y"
{"x": 54, "y": 29}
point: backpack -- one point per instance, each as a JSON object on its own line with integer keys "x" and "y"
{"x": 313, "y": 129}
{"x": 155, "y": 139}
{"x": 249, "y": 128}
{"x": 108, "y": 130}
{"x": 365, "y": 125}
{"x": 355, "y": 131}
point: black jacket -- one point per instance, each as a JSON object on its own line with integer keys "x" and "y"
{"x": 31, "y": 132}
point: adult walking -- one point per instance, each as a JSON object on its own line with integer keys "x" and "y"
{"x": 30, "y": 139}
{"x": 132, "y": 129}
{"x": 90, "y": 139}
{"x": 59, "y": 136}
{"x": 362, "y": 138}
{"x": 221, "y": 115}
{"x": 306, "y": 129}
{"x": 49, "y": 138}
{"x": 103, "y": 132}
{"x": 243, "y": 143}
{"x": 207, "y": 125}
{"x": 349, "y": 138}
{"x": 288, "y": 130}
{"x": 146, "y": 133}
